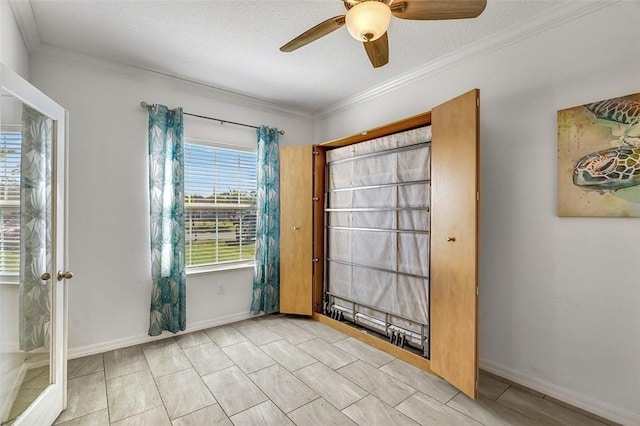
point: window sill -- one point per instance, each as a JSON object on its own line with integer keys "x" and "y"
{"x": 9, "y": 280}
{"x": 206, "y": 269}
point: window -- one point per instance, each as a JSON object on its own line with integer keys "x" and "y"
{"x": 10, "y": 202}
{"x": 220, "y": 205}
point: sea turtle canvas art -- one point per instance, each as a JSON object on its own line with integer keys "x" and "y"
{"x": 599, "y": 158}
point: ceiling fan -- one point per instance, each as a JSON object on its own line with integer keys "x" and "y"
{"x": 368, "y": 20}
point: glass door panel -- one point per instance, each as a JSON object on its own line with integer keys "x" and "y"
{"x": 32, "y": 329}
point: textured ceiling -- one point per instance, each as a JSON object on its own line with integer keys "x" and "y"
{"x": 234, "y": 45}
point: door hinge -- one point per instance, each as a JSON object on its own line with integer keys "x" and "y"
{"x": 476, "y": 385}
{"x": 315, "y": 259}
{"x": 315, "y": 152}
{"x": 477, "y": 291}
{"x": 315, "y": 199}
{"x": 477, "y": 102}
{"x": 477, "y": 196}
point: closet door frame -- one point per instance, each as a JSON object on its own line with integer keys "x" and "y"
{"x": 413, "y": 122}
{"x": 456, "y": 354}
{"x": 318, "y": 238}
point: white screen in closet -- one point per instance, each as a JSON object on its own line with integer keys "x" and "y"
{"x": 387, "y": 238}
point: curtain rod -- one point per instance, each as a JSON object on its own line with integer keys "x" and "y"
{"x": 146, "y": 105}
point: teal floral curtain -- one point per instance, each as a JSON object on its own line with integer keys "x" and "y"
{"x": 166, "y": 195}
{"x": 266, "y": 276}
{"x": 35, "y": 230}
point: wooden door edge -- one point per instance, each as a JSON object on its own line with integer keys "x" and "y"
{"x": 294, "y": 296}
{"x": 471, "y": 391}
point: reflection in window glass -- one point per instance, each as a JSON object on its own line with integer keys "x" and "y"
{"x": 9, "y": 202}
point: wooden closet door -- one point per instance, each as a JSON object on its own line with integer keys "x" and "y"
{"x": 454, "y": 242}
{"x": 296, "y": 233}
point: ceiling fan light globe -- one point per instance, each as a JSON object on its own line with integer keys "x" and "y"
{"x": 368, "y": 21}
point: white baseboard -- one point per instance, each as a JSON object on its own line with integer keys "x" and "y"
{"x": 37, "y": 362}
{"x": 575, "y": 399}
{"x": 145, "y": 338}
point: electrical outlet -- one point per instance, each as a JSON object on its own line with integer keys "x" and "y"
{"x": 220, "y": 288}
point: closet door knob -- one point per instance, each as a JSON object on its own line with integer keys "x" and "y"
{"x": 451, "y": 239}
{"x": 45, "y": 277}
{"x": 65, "y": 275}
{"x": 296, "y": 228}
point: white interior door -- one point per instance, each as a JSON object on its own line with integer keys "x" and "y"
{"x": 33, "y": 334}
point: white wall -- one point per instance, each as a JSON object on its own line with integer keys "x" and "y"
{"x": 110, "y": 293}
{"x": 13, "y": 52}
{"x": 559, "y": 297}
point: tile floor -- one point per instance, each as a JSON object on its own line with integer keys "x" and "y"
{"x": 279, "y": 370}
{"x": 34, "y": 382}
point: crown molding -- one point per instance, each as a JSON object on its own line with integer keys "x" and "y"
{"x": 28, "y": 29}
{"x": 557, "y": 16}
{"x": 193, "y": 87}
{"x": 26, "y": 23}
{"x": 511, "y": 35}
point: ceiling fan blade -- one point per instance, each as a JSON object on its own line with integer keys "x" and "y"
{"x": 320, "y": 30}
{"x": 438, "y": 9}
{"x": 378, "y": 51}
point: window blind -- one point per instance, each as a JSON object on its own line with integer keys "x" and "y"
{"x": 220, "y": 205}
{"x": 10, "y": 202}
